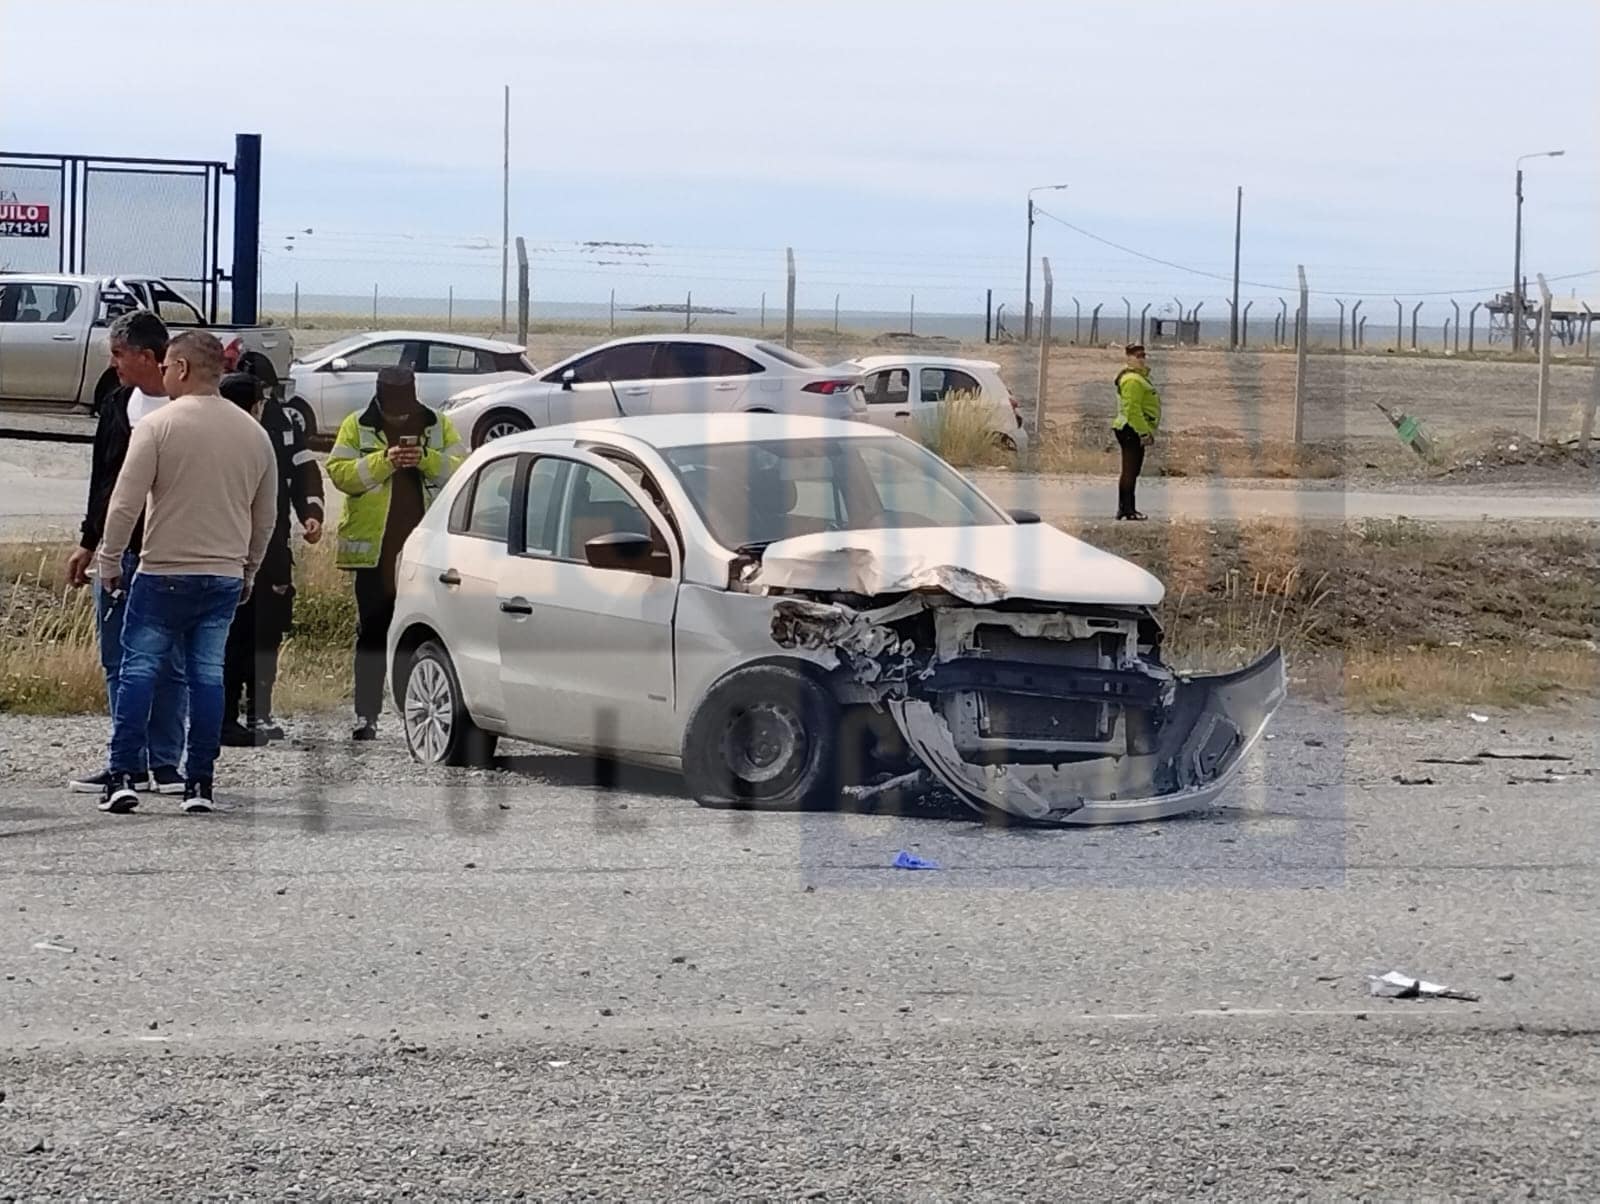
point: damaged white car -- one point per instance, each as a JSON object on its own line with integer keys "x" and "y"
{"x": 792, "y": 611}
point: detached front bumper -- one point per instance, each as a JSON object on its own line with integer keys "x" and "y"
{"x": 1204, "y": 734}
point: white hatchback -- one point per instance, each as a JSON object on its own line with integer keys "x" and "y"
{"x": 907, "y": 392}
{"x": 342, "y": 378}
{"x": 661, "y": 374}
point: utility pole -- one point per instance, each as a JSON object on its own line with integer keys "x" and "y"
{"x": 1517, "y": 305}
{"x": 1238, "y": 230}
{"x": 1027, "y": 293}
{"x": 505, "y": 209}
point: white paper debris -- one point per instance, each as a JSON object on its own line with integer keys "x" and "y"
{"x": 1395, "y": 985}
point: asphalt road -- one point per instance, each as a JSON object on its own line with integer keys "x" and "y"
{"x": 42, "y": 490}
{"x": 542, "y": 980}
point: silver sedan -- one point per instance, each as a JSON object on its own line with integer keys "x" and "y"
{"x": 792, "y": 611}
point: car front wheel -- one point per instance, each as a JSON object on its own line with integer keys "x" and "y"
{"x": 768, "y": 736}
{"x": 497, "y": 424}
{"x": 439, "y": 729}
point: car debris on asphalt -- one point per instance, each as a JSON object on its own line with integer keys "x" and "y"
{"x": 1395, "y": 985}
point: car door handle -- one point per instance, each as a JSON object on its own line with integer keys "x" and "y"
{"x": 726, "y": 388}
{"x": 902, "y": 413}
{"x": 636, "y": 391}
{"x": 449, "y": 577}
{"x": 63, "y": 338}
{"x": 516, "y": 606}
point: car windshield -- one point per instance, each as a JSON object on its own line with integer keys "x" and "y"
{"x": 343, "y": 347}
{"x": 756, "y": 493}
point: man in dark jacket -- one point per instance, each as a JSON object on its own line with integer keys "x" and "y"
{"x": 138, "y": 344}
{"x": 250, "y": 668}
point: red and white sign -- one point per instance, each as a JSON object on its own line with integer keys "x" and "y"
{"x": 19, "y": 220}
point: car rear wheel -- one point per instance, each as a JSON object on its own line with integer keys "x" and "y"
{"x": 765, "y": 736}
{"x": 1005, "y": 442}
{"x": 439, "y": 729}
{"x": 497, "y": 424}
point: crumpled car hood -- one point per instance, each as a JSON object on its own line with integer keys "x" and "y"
{"x": 981, "y": 565}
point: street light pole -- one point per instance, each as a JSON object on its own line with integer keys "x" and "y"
{"x": 1516, "y": 270}
{"x": 1027, "y": 288}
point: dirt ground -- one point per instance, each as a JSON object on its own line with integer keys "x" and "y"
{"x": 1249, "y": 393}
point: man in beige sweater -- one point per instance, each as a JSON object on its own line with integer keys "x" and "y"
{"x": 202, "y": 470}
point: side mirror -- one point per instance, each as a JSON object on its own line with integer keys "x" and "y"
{"x": 340, "y": 364}
{"x": 567, "y": 377}
{"x": 627, "y": 551}
{"x": 1024, "y": 517}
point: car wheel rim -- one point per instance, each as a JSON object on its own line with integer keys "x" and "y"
{"x": 430, "y": 710}
{"x": 765, "y": 746}
{"x": 499, "y": 430}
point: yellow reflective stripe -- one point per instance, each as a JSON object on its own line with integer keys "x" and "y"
{"x": 368, "y": 481}
{"x": 302, "y": 457}
{"x": 341, "y": 451}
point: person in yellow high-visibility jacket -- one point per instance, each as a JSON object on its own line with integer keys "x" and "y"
{"x": 390, "y": 461}
{"x": 1138, "y": 416}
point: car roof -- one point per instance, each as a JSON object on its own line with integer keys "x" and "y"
{"x": 691, "y": 430}
{"x": 890, "y": 361}
{"x": 668, "y": 336}
{"x": 432, "y": 336}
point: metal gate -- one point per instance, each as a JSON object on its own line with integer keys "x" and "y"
{"x": 110, "y": 215}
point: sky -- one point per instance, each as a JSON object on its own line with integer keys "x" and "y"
{"x": 892, "y": 143}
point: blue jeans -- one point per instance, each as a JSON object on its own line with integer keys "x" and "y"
{"x": 191, "y": 614}
{"x": 171, "y": 704}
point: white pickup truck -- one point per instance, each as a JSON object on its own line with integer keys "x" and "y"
{"x": 54, "y": 336}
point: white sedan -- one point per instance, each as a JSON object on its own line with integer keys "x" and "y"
{"x": 341, "y": 378}
{"x": 906, "y": 393}
{"x": 792, "y": 611}
{"x": 661, "y": 374}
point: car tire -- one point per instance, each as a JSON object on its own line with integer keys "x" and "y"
{"x": 300, "y": 414}
{"x": 439, "y": 729}
{"x": 764, "y": 736}
{"x": 497, "y": 424}
{"x": 1004, "y": 442}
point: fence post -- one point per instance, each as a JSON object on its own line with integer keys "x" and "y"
{"x": 1077, "y": 322}
{"x": 450, "y": 309}
{"x": 1472, "y": 328}
{"x": 836, "y": 319}
{"x": 1340, "y": 304}
{"x": 1300, "y": 339}
{"x": 1044, "y": 353}
{"x": 612, "y": 312}
{"x": 988, "y": 314}
{"x": 1544, "y": 357}
{"x": 1297, "y": 314}
{"x": 1094, "y": 326}
{"x": 1144, "y": 315}
{"x": 1244, "y": 326}
{"x": 1457, "y": 306}
{"x": 688, "y": 310}
{"x": 1588, "y": 332}
{"x": 1414, "y": 314}
{"x": 1363, "y": 332}
{"x": 374, "y": 307}
{"x": 788, "y": 313}
{"x": 1355, "y": 339}
{"x": 1444, "y": 340}
{"x": 763, "y": 311}
{"x": 522, "y": 291}
{"x": 1284, "y": 338}
{"x": 1587, "y": 430}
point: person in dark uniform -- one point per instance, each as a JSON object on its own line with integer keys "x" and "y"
{"x": 250, "y": 669}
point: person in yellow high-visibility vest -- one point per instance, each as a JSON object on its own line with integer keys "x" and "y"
{"x": 390, "y": 461}
{"x": 1138, "y": 415}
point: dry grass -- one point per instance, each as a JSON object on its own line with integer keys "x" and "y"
{"x": 1384, "y": 616}
{"x": 50, "y": 660}
{"x": 960, "y": 433}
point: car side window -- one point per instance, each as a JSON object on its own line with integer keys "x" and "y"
{"x": 379, "y": 355}
{"x": 890, "y": 387}
{"x": 939, "y": 383}
{"x": 630, "y": 361}
{"x": 47, "y": 303}
{"x": 173, "y": 309}
{"x": 599, "y": 506}
{"x": 489, "y": 516}
{"x": 725, "y": 361}
{"x": 542, "y": 506}
{"x": 466, "y": 361}
{"x": 683, "y": 361}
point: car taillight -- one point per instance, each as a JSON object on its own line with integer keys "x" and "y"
{"x": 230, "y": 353}
{"x": 829, "y": 387}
